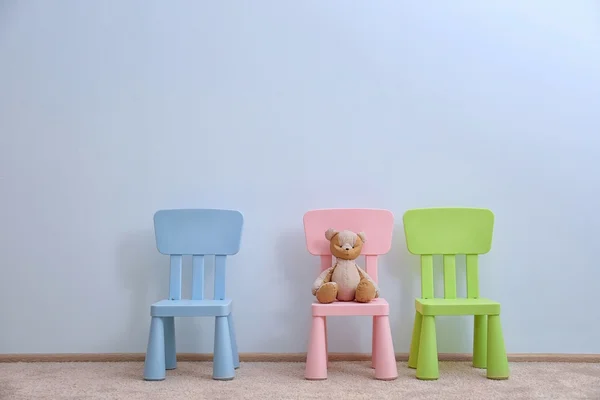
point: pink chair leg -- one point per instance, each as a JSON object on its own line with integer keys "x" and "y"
{"x": 374, "y": 345}
{"x": 326, "y": 342}
{"x": 316, "y": 359}
{"x": 385, "y": 367}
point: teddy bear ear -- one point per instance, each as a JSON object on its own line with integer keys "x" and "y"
{"x": 362, "y": 236}
{"x": 330, "y": 233}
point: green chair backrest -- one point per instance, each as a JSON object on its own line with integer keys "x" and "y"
{"x": 449, "y": 232}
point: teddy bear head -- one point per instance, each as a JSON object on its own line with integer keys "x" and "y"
{"x": 345, "y": 245}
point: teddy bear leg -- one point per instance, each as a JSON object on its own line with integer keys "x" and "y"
{"x": 365, "y": 291}
{"x": 327, "y": 293}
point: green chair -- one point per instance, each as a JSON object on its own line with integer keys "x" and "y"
{"x": 449, "y": 232}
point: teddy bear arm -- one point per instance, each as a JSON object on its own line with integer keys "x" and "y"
{"x": 364, "y": 275}
{"x": 323, "y": 278}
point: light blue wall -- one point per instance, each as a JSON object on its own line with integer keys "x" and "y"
{"x": 110, "y": 110}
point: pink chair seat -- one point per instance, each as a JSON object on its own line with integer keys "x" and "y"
{"x": 351, "y": 308}
{"x": 378, "y": 226}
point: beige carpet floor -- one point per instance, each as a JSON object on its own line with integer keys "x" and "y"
{"x": 280, "y": 381}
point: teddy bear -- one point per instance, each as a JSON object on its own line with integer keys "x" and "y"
{"x": 345, "y": 280}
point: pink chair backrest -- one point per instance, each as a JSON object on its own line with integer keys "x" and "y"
{"x": 378, "y": 226}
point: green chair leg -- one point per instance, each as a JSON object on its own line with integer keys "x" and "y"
{"x": 427, "y": 367}
{"x": 413, "y": 357}
{"x": 497, "y": 362}
{"x": 480, "y": 341}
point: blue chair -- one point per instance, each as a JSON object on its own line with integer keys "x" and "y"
{"x": 197, "y": 233}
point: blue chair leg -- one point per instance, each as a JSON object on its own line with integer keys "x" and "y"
{"x": 170, "y": 352}
{"x": 223, "y": 357}
{"x": 154, "y": 366}
{"x": 234, "y": 349}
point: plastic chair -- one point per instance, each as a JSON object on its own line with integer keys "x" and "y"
{"x": 378, "y": 226}
{"x": 198, "y": 233}
{"x": 449, "y": 232}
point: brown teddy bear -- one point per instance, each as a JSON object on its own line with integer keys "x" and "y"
{"x": 345, "y": 281}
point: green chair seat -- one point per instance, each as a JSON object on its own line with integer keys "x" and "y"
{"x": 457, "y": 307}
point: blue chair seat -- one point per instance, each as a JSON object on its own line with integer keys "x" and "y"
{"x": 191, "y": 308}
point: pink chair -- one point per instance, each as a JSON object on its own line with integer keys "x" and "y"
{"x": 378, "y": 226}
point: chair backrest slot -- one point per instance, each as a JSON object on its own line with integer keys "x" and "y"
{"x": 371, "y": 267}
{"x": 220, "y": 277}
{"x": 427, "y": 276}
{"x": 198, "y": 277}
{"x": 472, "y": 276}
{"x": 326, "y": 262}
{"x": 449, "y": 276}
{"x": 175, "y": 277}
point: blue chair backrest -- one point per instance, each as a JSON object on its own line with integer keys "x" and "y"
{"x": 198, "y": 232}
